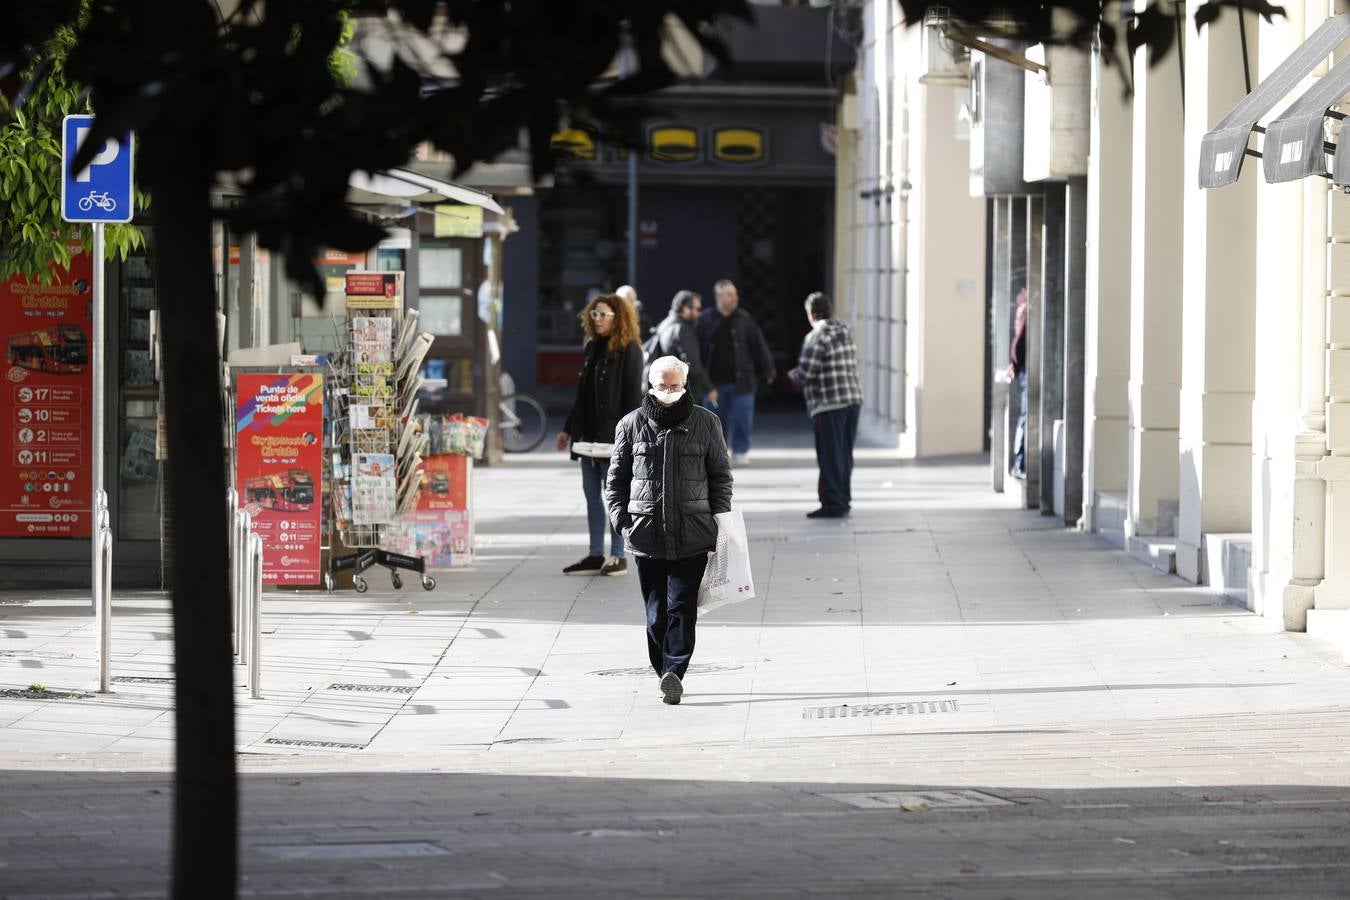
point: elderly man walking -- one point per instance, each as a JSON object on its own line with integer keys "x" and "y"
{"x": 669, "y": 476}
{"x": 828, "y": 370}
{"x": 737, "y": 358}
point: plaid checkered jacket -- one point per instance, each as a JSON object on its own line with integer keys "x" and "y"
{"x": 828, "y": 368}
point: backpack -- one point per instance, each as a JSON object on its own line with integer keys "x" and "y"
{"x": 651, "y": 349}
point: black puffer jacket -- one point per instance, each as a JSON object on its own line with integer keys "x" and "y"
{"x": 666, "y": 484}
{"x": 610, "y": 388}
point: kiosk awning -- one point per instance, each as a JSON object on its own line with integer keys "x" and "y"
{"x": 1222, "y": 150}
{"x": 1294, "y": 147}
{"x": 414, "y": 187}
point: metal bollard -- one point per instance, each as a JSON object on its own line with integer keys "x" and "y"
{"x": 104, "y": 594}
{"x": 255, "y": 553}
{"x": 239, "y": 580}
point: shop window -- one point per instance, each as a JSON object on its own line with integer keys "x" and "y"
{"x": 440, "y": 267}
{"x": 138, "y": 469}
{"x": 441, "y": 316}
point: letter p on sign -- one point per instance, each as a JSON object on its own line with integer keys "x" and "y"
{"x": 102, "y": 191}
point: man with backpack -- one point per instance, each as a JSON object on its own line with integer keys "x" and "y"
{"x": 676, "y": 335}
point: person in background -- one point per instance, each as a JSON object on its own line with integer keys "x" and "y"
{"x": 737, "y": 357}
{"x": 630, "y": 294}
{"x": 669, "y": 479}
{"x": 828, "y": 370}
{"x": 610, "y": 388}
{"x": 677, "y": 335}
{"x": 1017, "y": 373}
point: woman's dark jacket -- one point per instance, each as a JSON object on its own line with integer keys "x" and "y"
{"x": 666, "y": 483}
{"x": 610, "y": 388}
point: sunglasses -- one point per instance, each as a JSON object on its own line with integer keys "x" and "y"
{"x": 597, "y": 314}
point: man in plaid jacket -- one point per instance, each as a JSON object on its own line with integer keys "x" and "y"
{"x": 828, "y": 370}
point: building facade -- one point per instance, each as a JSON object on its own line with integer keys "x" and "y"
{"x": 1189, "y": 348}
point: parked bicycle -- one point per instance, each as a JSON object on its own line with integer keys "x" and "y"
{"x": 522, "y": 421}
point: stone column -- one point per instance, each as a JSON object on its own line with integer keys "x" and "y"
{"x": 1000, "y": 331}
{"x": 1155, "y": 298}
{"x": 1334, "y": 591}
{"x": 1049, "y": 370}
{"x": 1218, "y": 316}
{"x": 1034, "y": 223}
{"x": 1106, "y": 436}
{"x": 1075, "y": 275}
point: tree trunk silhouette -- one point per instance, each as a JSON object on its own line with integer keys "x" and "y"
{"x": 205, "y": 812}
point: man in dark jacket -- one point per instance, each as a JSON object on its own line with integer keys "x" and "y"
{"x": 1017, "y": 373}
{"x": 737, "y": 357}
{"x": 677, "y": 335}
{"x": 668, "y": 478}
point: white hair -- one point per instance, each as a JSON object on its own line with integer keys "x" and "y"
{"x": 668, "y": 364}
{"x": 627, "y": 292}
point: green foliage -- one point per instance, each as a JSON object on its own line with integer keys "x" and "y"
{"x": 342, "y": 61}
{"x": 33, "y": 237}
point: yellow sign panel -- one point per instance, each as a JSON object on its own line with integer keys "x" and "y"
{"x": 574, "y": 141}
{"x": 674, "y": 144}
{"x": 458, "y": 220}
{"x": 738, "y": 145}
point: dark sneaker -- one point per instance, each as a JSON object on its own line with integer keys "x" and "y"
{"x": 824, "y": 513}
{"x": 615, "y": 565}
{"x": 591, "y": 565}
{"x": 671, "y": 689}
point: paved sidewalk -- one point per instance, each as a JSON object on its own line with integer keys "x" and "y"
{"x": 936, "y": 607}
{"x": 941, "y": 697}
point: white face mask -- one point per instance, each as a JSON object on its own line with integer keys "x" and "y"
{"x": 668, "y": 399}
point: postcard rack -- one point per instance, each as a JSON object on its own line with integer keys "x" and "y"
{"x": 377, "y": 445}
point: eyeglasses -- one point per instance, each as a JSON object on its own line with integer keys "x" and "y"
{"x": 597, "y": 314}
{"x": 667, "y": 388}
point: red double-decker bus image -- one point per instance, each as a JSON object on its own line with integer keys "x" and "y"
{"x": 289, "y": 491}
{"x": 61, "y": 350}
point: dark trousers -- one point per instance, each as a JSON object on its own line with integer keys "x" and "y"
{"x": 670, "y": 590}
{"x": 836, "y": 431}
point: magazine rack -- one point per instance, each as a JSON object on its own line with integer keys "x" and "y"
{"x": 377, "y": 445}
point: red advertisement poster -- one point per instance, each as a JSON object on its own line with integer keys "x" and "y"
{"x": 46, "y": 411}
{"x": 279, "y": 469}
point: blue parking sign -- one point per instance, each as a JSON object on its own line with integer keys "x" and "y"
{"x": 103, "y": 191}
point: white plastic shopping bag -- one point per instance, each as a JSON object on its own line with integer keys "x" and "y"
{"x": 727, "y": 578}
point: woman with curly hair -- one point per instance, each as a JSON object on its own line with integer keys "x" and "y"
{"x": 610, "y": 388}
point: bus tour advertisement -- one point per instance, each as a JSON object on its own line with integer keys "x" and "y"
{"x": 45, "y": 466}
{"x": 279, "y": 470}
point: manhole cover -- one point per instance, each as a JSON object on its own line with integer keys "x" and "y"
{"x": 26, "y": 694}
{"x": 913, "y": 707}
{"x": 374, "y": 850}
{"x": 322, "y": 745}
{"x": 376, "y": 688}
{"x": 141, "y": 679}
{"x": 916, "y": 801}
{"x": 694, "y": 669}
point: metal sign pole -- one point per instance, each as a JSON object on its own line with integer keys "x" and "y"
{"x": 96, "y": 494}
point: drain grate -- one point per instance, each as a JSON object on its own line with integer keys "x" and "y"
{"x": 372, "y": 850}
{"x": 845, "y": 711}
{"x": 321, "y": 745}
{"x": 25, "y": 694}
{"x": 36, "y": 654}
{"x": 694, "y": 669}
{"x": 919, "y": 801}
{"x": 142, "y": 679}
{"x": 375, "y": 688}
